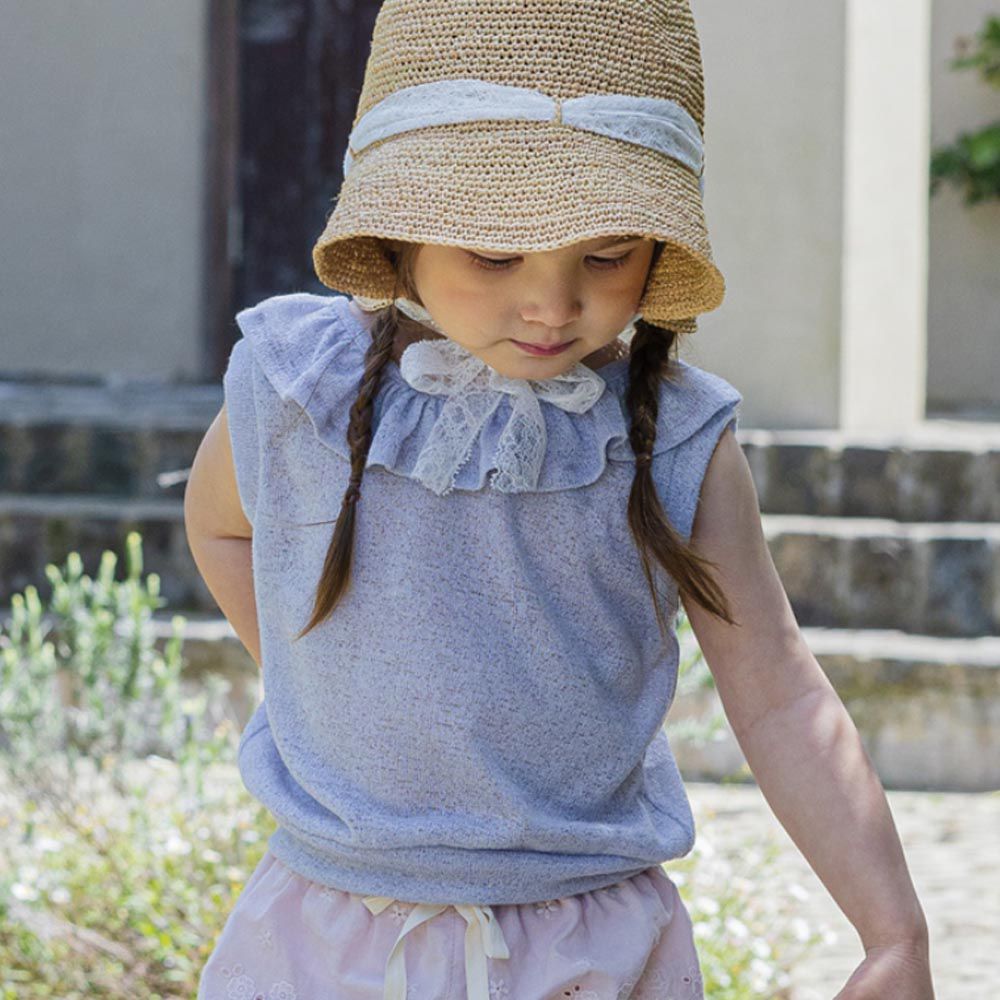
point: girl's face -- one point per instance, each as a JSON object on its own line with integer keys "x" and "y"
{"x": 581, "y": 296}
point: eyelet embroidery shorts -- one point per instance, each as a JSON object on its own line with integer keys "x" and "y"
{"x": 288, "y": 938}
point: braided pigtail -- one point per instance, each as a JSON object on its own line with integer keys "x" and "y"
{"x": 655, "y": 537}
{"x": 336, "y": 572}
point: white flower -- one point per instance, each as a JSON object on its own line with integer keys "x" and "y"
{"x": 737, "y": 928}
{"x": 176, "y": 845}
{"x": 158, "y": 763}
{"x": 704, "y": 846}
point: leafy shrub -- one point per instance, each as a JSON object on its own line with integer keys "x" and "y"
{"x": 115, "y": 889}
{"x": 972, "y": 162}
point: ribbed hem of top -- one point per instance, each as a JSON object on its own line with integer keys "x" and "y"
{"x": 532, "y": 883}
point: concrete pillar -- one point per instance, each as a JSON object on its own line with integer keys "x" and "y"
{"x": 883, "y": 356}
{"x": 817, "y": 150}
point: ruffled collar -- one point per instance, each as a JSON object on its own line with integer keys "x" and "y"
{"x": 312, "y": 350}
{"x": 472, "y": 392}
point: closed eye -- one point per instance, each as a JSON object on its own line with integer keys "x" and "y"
{"x": 493, "y": 264}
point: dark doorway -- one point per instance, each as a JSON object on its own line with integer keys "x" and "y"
{"x": 290, "y": 72}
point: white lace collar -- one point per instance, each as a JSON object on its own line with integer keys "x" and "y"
{"x": 473, "y": 390}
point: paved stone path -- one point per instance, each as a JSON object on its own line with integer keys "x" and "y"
{"x": 952, "y": 846}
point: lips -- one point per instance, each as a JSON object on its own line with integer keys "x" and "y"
{"x": 541, "y": 351}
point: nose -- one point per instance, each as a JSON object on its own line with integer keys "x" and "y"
{"x": 549, "y": 309}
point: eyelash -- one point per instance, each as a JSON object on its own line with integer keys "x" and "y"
{"x": 608, "y": 263}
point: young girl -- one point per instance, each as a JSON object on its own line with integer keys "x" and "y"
{"x": 452, "y": 513}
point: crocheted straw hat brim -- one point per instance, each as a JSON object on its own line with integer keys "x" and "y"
{"x": 520, "y": 186}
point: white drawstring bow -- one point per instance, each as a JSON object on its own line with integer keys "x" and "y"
{"x": 483, "y": 939}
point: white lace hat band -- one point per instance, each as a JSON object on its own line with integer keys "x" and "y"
{"x": 656, "y": 123}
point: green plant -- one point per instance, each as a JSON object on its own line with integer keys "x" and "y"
{"x": 972, "y": 162}
{"x": 83, "y": 678}
{"x": 94, "y": 901}
{"x": 749, "y": 942}
{"x": 119, "y": 889}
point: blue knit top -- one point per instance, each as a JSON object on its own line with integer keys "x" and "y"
{"x": 480, "y": 718}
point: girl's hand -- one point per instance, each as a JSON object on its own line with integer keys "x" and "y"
{"x": 901, "y": 971}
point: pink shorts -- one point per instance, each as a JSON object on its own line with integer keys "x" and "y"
{"x": 288, "y": 938}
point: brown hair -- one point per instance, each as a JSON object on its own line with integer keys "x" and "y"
{"x": 656, "y": 538}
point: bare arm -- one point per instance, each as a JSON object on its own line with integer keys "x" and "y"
{"x": 793, "y": 729}
{"x": 219, "y": 534}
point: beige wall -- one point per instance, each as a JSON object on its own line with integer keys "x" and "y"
{"x": 774, "y": 91}
{"x": 964, "y": 282}
{"x": 102, "y": 119}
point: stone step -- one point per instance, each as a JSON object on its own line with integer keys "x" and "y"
{"x": 138, "y": 439}
{"x": 131, "y": 438}
{"x": 36, "y": 530}
{"x": 938, "y": 578}
{"x": 928, "y": 709}
{"x": 932, "y": 579}
{"x": 939, "y": 470}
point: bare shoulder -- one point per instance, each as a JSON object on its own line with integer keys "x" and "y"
{"x": 728, "y": 507}
{"x": 212, "y": 504}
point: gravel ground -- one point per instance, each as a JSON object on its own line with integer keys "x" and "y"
{"x": 952, "y": 846}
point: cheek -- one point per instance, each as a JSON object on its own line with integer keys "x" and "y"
{"x": 479, "y": 303}
{"x": 631, "y": 282}
{"x": 473, "y": 308}
{"x": 446, "y": 296}
{"x": 476, "y": 315}
{"x": 644, "y": 270}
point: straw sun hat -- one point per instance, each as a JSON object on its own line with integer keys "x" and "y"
{"x": 527, "y": 125}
